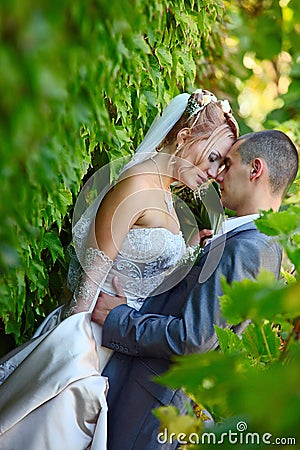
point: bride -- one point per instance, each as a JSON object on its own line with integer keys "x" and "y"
{"x": 52, "y": 394}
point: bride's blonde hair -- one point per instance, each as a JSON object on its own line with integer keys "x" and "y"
{"x": 205, "y": 122}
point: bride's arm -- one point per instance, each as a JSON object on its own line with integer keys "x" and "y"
{"x": 118, "y": 212}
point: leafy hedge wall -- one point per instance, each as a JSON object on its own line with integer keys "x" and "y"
{"x": 80, "y": 82}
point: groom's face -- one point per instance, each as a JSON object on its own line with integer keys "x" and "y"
{"x": 234, "y": 181}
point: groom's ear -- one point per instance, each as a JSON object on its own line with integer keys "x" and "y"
{"x": 257, "y": 167}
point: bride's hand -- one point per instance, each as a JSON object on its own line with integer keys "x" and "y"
{"x": 106, "y": 302}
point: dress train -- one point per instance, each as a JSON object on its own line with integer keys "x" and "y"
{"x": 55, "y": 397}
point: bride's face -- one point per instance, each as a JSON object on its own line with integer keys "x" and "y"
{"x": 192, "y": 170}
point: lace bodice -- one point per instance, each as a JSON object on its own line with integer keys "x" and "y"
{"x": 147, "y": 255}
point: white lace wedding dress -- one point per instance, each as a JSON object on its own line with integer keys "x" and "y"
{"x": 52, "y": 395}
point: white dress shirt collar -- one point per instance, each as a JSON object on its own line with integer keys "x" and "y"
{"x": 232, "y": 223}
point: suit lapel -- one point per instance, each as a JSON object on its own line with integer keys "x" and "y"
{"x": 221, "y": 240}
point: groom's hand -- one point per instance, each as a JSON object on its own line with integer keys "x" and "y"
{"x": 106, "y": 302}
{"x": 201, "y": 236}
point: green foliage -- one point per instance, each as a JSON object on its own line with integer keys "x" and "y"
{"x": 261, "y": 398}
{"x": 262, "y": 299}
{"x": 285, "y": 225}
{"x": 263, "y": 60}
{"x": 80, "y": 83}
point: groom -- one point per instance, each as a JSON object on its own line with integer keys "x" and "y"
{"x": 258, "y": 171}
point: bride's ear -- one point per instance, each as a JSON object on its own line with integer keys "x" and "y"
{"x": 182, "y": 135}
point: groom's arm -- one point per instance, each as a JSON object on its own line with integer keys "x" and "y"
{"x": 156, "y": 335}
{"x": 189, "y": 330}
{"x": 192, "y": 328}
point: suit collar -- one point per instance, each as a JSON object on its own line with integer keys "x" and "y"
{"x": 235, "y": 222}
{"x": 220, "y": 240}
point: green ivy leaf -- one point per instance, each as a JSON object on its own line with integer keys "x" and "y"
{"x": 164, "y": 57}
{"x": 261, "y": 343}
{"x": 53, "y": 244}
{"x": 278, "y": 223}
{"x": 140, "y": 44}
{"x": 260, "y": 299}
{"x": 228, "y": 340}
{"x": 64, "y": 200}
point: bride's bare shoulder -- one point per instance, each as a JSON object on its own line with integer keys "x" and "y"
{"x": 137, "y": 176}
{"x": 135, "y": 179}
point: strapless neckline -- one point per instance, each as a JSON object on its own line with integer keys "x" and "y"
{"x": 179, "y": 234}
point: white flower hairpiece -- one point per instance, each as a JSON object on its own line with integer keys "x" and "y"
{"x": 226, "y": 106}
{"x": 205, "y": 97}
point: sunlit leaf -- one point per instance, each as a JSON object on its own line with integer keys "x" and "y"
{"x": 228, "y": 340}
{"x": 53, "y": 244}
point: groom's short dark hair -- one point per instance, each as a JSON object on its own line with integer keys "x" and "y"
{"x": 279, "y": 152}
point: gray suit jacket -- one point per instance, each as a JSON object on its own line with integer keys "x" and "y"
{"x": 176, "y": 322}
